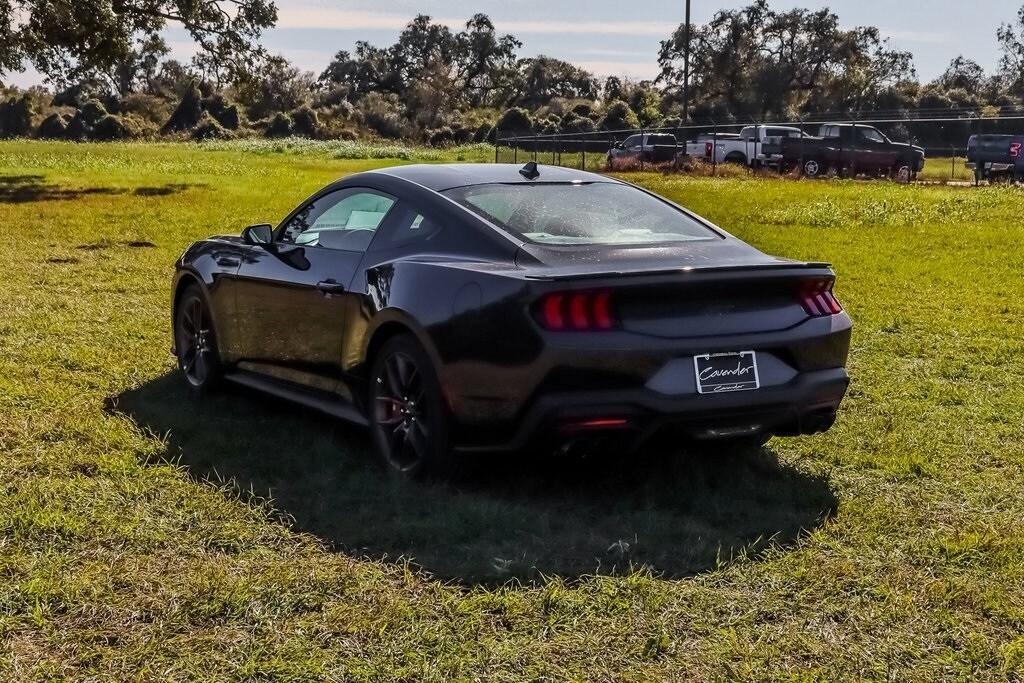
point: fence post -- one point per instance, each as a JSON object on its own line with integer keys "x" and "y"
{"x": 642, "y": 145}
{"x": 497, "y": 142}
{"x": 952, "y": 166}
{"x": 714, "y": 149}
{"x": 515, "y": 150}
{"x": 800, "y": 173}
{"x": 853, "y": 151}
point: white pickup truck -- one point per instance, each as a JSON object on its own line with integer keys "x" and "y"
{"x": 754, "y": 146}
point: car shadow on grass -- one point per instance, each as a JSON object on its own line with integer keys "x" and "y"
{"x": 522, "y": 517}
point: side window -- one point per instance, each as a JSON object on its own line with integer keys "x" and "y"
{"x": 632, "y": 141}
{"x": 345, "y": 219}
{"x": 410, "y": 227}
{"x": 871, "y": 135}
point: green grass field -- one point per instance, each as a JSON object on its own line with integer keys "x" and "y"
{"x": 145, "y": 536}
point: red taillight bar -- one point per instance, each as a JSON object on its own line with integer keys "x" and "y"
{"x": 817, "y": 298}
{"x": 576, "y": 311}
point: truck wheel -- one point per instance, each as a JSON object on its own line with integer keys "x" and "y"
{"x": 814, "y": 168}
{"x": 902, "y": 173}
{"x": 736, "y": 158}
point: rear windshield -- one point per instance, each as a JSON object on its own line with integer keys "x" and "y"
{"x": 580, "y": 213}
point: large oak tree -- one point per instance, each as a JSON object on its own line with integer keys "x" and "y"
{"x": 69, "y": 39}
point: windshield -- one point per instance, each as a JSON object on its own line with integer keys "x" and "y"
{"x": 580, "y": 213}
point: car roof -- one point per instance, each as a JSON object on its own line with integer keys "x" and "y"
{"x": 440, "y": 177}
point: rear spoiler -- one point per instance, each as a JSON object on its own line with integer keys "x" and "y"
{"x": 594, "y": 275}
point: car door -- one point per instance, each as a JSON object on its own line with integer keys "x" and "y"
{"x": 877, "y": 153}
{"x": 293, "y": 297}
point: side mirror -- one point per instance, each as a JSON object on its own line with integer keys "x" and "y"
{"x": 260, "y": 234}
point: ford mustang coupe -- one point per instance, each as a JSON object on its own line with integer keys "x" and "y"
{"x": 486, "y": 307}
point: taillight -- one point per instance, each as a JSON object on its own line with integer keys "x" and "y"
{"x": 1015, "y": 149}
{"x": 817, "y": 298}
{"x": 709, "y": 149}
{"x": 576, "y": 311}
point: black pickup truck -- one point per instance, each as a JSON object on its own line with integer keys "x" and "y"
{"x": 850, "y": 149}
{"x": 995, "y": 156}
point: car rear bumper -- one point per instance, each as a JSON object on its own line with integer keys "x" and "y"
{"x": 991, "y": 166}
{"x": 807, "y": 404}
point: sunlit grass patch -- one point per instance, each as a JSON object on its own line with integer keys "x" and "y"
{"x": 145, "y": 535}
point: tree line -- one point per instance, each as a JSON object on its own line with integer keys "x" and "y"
{"x": 109, "y": 77}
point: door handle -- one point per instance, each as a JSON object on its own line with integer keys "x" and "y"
{"x": 330, "y": 287}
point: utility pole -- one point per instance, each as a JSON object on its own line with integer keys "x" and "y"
{"x": 686, "y": 66}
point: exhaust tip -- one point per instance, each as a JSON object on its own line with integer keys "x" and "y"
{"x": 818, "y": 421}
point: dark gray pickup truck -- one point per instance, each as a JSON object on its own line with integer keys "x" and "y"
{"x": 851, "y": 149}
{"x": 995, "y": 156}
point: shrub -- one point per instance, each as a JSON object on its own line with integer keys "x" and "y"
{"x": 619, "y": 116}
{"x": 79, "y": 128}
{"x": 149, "y": 107}
{"x": 440, "y": 137}
{"x": 225, "y": 113}
{"x": 111, "y": 127}
{"x": 584, "y": 110}
{"x": 484, "y": 133}
{"x": 305, "y": 122}
{"x": 383, "y": 113}
{"x": 92, "y": 112}
{"x": 229, "y": 117}
{"x": 188, "y": 113}
{"x": 280, "y": 126}
{"x": 54, "y": 126}
{"x": 16, "y": 117}
{"x": 209, "y": 128}
{"x": 514, "y": 121}
{"x": 574, "y": 123}
{"x": 548, "y": 126}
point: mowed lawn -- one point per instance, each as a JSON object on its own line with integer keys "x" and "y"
{"x": 148, "y": 536}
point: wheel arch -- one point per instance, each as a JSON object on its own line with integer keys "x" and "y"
{"x": 184, "y": 280}
{"x": 393, "y": 323}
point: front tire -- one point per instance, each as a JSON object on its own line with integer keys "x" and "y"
{"x": 813, "y": 168}
{"x": 902, "y": 173}
{"x": 195, "y": 342}
{"x": 408, "y": 416}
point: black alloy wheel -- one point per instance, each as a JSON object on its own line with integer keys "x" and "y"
{"x": 407, "y": 412}
{"x": 195, "y": 342}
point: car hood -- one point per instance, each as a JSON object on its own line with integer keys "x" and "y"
{"x": 907, "y": 145}
{"x": 557, "y": 262}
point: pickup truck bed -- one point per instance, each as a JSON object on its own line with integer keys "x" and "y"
{"x": 992, "y": 156}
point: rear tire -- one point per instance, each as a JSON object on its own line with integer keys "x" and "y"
{"x": 408, "y": 415}
{"x": 736, "y": 158}
{"x": 195, "y": 342}
{"x": 813, "y": 168}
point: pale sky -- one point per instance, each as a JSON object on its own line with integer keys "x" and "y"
{"x": 599, "y": 36}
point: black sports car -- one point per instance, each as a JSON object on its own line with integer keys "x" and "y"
{"x": 480, "y": 307}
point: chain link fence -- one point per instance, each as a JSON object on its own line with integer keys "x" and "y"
{"x": 942, "y": 133}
